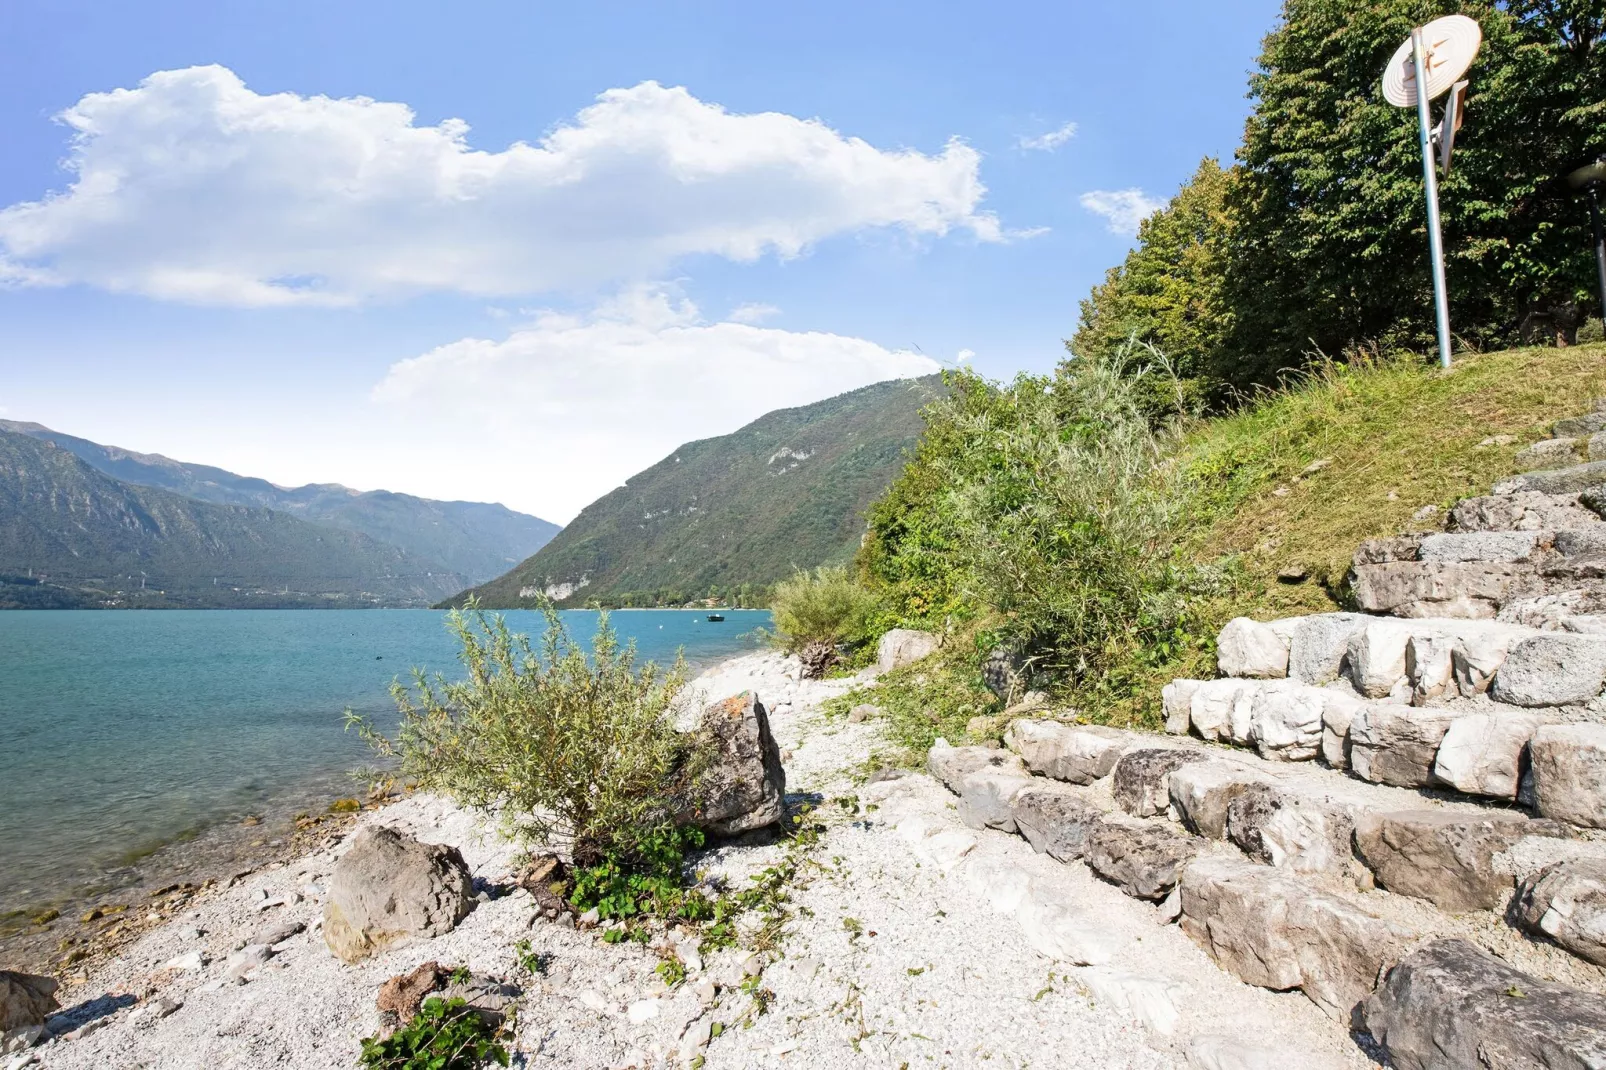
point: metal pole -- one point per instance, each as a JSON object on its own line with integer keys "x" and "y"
{"x": 1600, "y": 246}
{"x": 1431, "y": 182}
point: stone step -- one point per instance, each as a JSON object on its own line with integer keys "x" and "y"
{"x": 1572, "y": 479}
{"x": 1526, "y": 510}
{"x": 1451, "y": 1005}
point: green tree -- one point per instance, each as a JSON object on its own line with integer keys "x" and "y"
{"x": 1329, "y": 246}
{"x": 1167, "y": 293}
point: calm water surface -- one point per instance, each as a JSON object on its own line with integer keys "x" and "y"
{"x": 124, "y": 731}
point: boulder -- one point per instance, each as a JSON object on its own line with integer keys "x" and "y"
{"x": 1339, "y": 707}
{"x": 1552, "y": 669}
{"x": 1573, "y": 426}
{"x": 1394, "y": 744}
{"x": 1523, "y": 511}
{"x": 1443, "y": 857}
{"x": 1285, "y": 721}
{"x": 985, "y": 795}
{"x": 1078, "y": 754}
{"x": 1580, "y": 541}
{"x": 1569, "y": 480}
{"x": 1566, "y": 901}
{"x": 1291, "y": 831}
{"x": 950, "y": 765}
{"x": 1458, "y": 590}
{"x": 1316, "y": 652}
{"x": 1547, "y": 453}
{"x": 745, "y": 787}
{"x": 1214, "y": 705}
{"x": 1247, "y": 647}
{"x": 1453, "y": 1006}
{"x": 26, "y": 1000}
{"x": 388, "y": 886}
{"x": 1507, "y": 547}
{"x": 1273, "y": 931}
{"x": 1176, "y": 698}
{"x": 1143, "y": 860}
{"x": 1054, "y": 820}
{"x": 1569, "y": 772}
{"x": 1484, "y": 753}
{"x": 1201, "y": 791}
{"x": 905, "y": 646}
{"x": 1375, "y": 656}
{"x": 1142, "y": 779}
{"x": 1476, "y": 658}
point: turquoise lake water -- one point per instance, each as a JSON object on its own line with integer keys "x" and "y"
{"x": 124, "y": 731}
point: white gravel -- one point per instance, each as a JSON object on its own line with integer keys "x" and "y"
{"x": 931, "y": 977}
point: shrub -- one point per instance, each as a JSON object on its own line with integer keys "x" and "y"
{"x": 443, "y": 1035}
{"x": 818, "y": 613}
{"x": 556, "y": 744}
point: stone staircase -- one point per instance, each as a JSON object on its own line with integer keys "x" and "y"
{"x": 1399, "y": 812}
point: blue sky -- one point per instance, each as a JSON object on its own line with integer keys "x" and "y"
{"x": 240, "y": 234}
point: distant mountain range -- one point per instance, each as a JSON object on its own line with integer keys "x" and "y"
{"x": 474, "y": 539}
{"x": 787, "y": 491}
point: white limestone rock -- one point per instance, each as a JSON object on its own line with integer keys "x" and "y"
{"x": 1248, "y": 648}
{"x": 1077, "y": 754}
{"x": 1202, "y": 791}
{"x": 1569, "y": 772}
{"x": 1394, "y": 744}
{"x": 1480, "y": 754}
{"x": 1340, "y": 704}
{"x": 1212, "y": 704}
{"x": 985, "y": 795}
{"x": 905, "y": 646}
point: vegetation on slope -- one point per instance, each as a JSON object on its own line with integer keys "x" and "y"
{"x": 1285, "y": 487}
{"x": 71, "y": 536}
{"x": 476, "y": 539}
{"x": 786, "y": 492}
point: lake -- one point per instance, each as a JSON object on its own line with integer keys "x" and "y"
{"x": 123, "y": 732}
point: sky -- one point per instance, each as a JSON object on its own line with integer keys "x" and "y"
{"x": 517, "y": 252}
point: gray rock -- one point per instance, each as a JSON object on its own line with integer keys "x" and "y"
{"x": 1247, "y": 647}
{"x": 277, "y": 933}
{"x": 1429, "y": 667}
{"x": 1569, "y": 480}
{"x": 1569, "y": 772}
{"x": 389, "y": 886}
{"x": 1004, "y": 674}
{"x": 905, "y": 646}
{"x": 1476, "y": 658}
{"x": 1394, "y": 744}
{"x": 1273, "y": 931}
{"x": 863, "y": 712}
{"x": 1566, "y": 901}
{"x": 1491, "y": 546}
{"x": 1445, "y": 858}
{"x": 1078, "y": 754}
{"x": 1143, "y": 860}
{"x": 1214, "y": 705}
{"x": 26, "y": 1000}
{"x": 1552, "y": 669}
{"x": 745, "y": 787}
{"x": 1316, "y": 652}
{"x": 1523, "y": 511}
{"x": 1548, "y": 453}
{"x": 1389, "y": 548}
{"x": 1176, "y": 698}
{"x": 489, "y": 997}
{"x": 1291, "y": 831}
{"x": 1482, "y": 754}
{"x": 1202, "y": 791}
{"x": 1573, "y": 426}
{"x": 1453, "y": 1006}
{"x": 1588, "y": 540}
{"x": 950, "y": 765}
{"x": 1339, "y": 707}
{"x": 1285, "y": 721}
{"x": 246, "y": 959}
{"x": 985, "y": 795}
{"x": 1142, "y": 779}
{"x": 1414, "y": 589}
{"x": 1054, "y": 820}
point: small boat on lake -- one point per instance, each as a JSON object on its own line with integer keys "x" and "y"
{"x": 716, "y": 617}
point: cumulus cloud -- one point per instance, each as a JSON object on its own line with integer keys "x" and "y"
{"x": 579, "y": 403}
{"x": 193, "y": 187}
{"x": 1122, "y": 209}
{"x": 753, "y": 313}
{"x": 1048, "y": 142}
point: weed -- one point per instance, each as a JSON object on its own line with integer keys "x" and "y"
{"x": 443, "y": 1035}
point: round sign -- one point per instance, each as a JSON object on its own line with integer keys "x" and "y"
{"x": 1450, "y": 45}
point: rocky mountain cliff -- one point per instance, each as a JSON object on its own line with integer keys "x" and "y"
{"x": 477, "y": 539}
{"x": 787, "y": 491}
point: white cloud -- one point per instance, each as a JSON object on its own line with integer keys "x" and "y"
{"x": 1048, "y": 142}
{"x": 1122, "y": 209}
{"x": 193, "y": 187}
{"x": 753, "y": 313}
{"x": 571, "y": 405}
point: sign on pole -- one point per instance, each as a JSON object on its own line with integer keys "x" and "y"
{"x": 1426, "y": 65}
